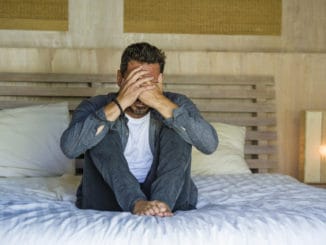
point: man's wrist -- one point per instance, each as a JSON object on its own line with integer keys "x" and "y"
{"x": 134, "y": 205}
{"x": 165, "y": 107}
{"x": 119, "y": 106}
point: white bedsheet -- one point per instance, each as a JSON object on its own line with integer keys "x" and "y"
{"x": 232, "y": 209}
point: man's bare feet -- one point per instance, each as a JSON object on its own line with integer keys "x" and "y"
{"x": 154, "y": 208}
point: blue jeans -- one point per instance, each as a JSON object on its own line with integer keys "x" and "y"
{"x": 107, "y": 183}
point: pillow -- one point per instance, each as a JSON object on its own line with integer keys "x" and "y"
{"x": 229, "y": 156}
{"x": 30, "y": 141}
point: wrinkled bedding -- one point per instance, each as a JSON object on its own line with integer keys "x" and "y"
{"x": 232, "y": 209}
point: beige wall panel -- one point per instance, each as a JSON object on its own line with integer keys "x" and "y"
{"x": 25, "y": 60}
{"x": 59, "y": 60}
{"x": 251, "y": 17}
{"x": 67, "y": 60}
{"x": 99, "y": 24}
{"x": 304, "y": 25}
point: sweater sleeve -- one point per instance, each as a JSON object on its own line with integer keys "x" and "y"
{"x": 81, "y": 133}
{"x": 191, "y": 126}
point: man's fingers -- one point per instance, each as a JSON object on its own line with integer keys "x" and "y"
{"x": 142, "y": 81}
{"x": 156, "y": 209}
{"x": 168, "y": 214}
{"x": 153, "y": 208}
{"x": 160, "y": 81}
{"x": 142, "y": 89}
{"x": 135, "y": 76}
{"x": 164, "y": 207}
{"x": 132, "y": 73}
{"x": 149, "y": 212}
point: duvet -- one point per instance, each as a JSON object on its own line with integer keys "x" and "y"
{"x": 232, "y": 209}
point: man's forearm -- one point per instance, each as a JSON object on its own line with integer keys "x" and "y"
{"x": 165, "y": 107}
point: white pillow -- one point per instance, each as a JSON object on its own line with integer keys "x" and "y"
{"x": 229, "y": 156}
{"x": 30, "y": 141}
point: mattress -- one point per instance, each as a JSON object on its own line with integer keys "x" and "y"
{"x": 232, "y": 209}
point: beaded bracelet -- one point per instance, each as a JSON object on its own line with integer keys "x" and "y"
{"x": 120, "y": 108}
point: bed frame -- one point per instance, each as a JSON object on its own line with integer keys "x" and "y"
{"x": 241, "y": 100}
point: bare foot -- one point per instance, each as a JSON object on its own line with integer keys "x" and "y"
{"x": 154, "y": 208}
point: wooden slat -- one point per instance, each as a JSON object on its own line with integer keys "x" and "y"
{"x": 20, "y": 103}
{"x": 219, "y": 79}
{"x": 231, "y": 106}
{"x": 220, "y": 92}
{"x": 260, "y": 149}
{"x": 261, "y": 163}
{"x": 241, "y": 121}
{"x": 53, "y": 91}
{"x": 192, "y": 93}
{"x": 55, "y": 77}
{"x": 169, "y": 79}
{"x": 261, "y": 135}
{"x": 203, "y": 105}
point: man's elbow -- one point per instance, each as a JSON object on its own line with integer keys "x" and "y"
{"x": 211, "y": 147}
{"x": 68, "y": 153}
{"x": 67, "y": 149}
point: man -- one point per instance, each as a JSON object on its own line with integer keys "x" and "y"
{"x": 137, "y": 142}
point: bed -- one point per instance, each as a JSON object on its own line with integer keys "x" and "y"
{"x": 242, "y": 198}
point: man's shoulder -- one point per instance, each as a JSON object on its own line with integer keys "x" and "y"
{"x": 172, "y": 95}
{"x": 98, "y": 100}
{"x": 176, "y": 97}
{"x": 104, "y": 98}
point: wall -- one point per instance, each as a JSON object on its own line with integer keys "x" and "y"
{"x": 98, "y": 24}
{"x": 95, "y": 39}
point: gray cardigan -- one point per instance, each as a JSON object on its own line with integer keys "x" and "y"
{"x": 89, "y": 115}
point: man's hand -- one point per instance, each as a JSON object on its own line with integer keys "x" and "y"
{"x": 136, "y": 83}
{"x": 153, "y": 208}
{"x": 155, "y": 99}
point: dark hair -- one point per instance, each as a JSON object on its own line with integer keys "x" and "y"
{"x": 142, "y": 52}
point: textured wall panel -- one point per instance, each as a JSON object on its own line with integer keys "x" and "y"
{"x": 34, "y": 14}
{"x": 258, "y": 17}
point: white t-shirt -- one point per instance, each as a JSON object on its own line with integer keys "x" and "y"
{"x": 138, "y": 153}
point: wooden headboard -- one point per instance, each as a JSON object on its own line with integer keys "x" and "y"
{"x": 240, "y": 100}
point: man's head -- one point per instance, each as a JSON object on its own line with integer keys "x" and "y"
{"x": 152, "y": 61}
{"x": 143, "y": 53}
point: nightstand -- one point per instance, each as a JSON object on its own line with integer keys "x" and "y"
{"x": 313, "y": 148}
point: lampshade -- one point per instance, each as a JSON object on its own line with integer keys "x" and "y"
{"x": 315, "y": 147}
{"x": 322, "y": 150}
